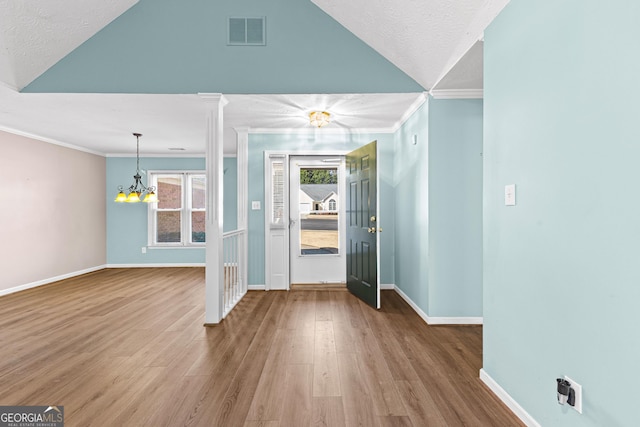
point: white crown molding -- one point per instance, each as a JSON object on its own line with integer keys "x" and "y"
{"x": 50, "y": 280}
{"x": 214, "y": 98}
{"x": 315, "y": 131}
{"x": 344, "y": 131}
{"x": 457, "y": 93}
{"x": 142, "y": 155}
{"x": 438, "y": 320}
{"x": 514, "y": 406}
{"x": 9, "y": 86}
{"x": 50, "y": 141}
{"x": 410, "y": 111}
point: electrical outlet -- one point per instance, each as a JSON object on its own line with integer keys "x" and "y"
{"x": 577, "y": 389}
{"x": 144, "y": 249}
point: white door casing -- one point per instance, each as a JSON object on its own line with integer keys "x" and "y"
{"x": 315, "y": 265}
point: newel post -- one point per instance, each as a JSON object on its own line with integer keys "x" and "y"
{"x": 214, "y": 103}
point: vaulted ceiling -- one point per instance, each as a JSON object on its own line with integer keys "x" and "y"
{"x": 423, "y": 38}
{"x": 35, "y": 34}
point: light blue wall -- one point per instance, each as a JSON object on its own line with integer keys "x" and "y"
{"x": 259, "y": 143}
{"x": 455, "y": 208}
{"x": 561, "y": 271}
{"x": 411, "y": 204}
{"x": 438, "y": 208}
{"x": 127, "y": 223}
{"x": 169, "y": 46}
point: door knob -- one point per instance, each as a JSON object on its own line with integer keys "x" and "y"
{"x": 372, "y": 229}
{"x": 373, "y": 219}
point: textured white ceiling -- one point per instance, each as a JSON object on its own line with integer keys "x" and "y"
{"x": 416, "y": 36}
{"x": 424, "y": 38}
{"x": 103, "y": 123}
{"x": 467, "y": 72}
{"x": 474, "y": 32}
{"x": 35, "y": 34}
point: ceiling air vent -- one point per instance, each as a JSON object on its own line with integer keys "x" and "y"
{"x": 246, "y": 31}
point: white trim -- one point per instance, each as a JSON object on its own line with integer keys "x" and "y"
{"x": 455, "y": 320}
{"x": 323, "y": 153}
{"x": 413, "y": 305}
{"x": 316, "y": 131}
{"x": 9, "y": 86}
{"x": 514, "y": 406}
{"x": 438, "y": 320}
{"x": 347, "y": 131}
{"x": 50, "y": 280}
{"x": 410, "y": 111}
{"x": 256, "y": 288}
{"x": 378, "y": 223}
{"x": 283, "y": 231}
{"x": 50, "y": 141}
{"x": 242, "y": 213}
{"x": 163, "y": 155}
{"x": 186, "y": 209}
{"x": 158, "y": 265}
{"x": 214, "y": 274}
{"x": 176, "y": 246}
{"x": 387, "y": 286}
{"x": 457, "y": 93}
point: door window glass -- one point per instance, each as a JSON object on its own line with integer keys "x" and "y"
{"x": 318, "y": 198}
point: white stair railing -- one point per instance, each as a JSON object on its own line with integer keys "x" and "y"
{"x": 235, "y": 283}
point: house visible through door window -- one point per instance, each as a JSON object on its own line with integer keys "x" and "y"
{"x": 178, "y": 219}
{"x": 318, "y": 211}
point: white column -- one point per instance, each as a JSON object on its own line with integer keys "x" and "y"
{"x": 214, "y": 103}
{"x": 243, "y": 197}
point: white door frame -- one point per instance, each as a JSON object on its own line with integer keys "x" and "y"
{"x": 276, "y": 266}
{"x": 316, "y": 269}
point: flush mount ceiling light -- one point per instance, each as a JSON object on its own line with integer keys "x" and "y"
{"x": 319, "y": 118}
{"x": 137, "y": 189}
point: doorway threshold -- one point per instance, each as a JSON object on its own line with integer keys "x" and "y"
{"x": 318, "y": 287}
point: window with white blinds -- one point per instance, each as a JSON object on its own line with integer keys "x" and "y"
{"x": 277, "y": 192}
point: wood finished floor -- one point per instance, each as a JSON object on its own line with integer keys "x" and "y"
{"x": 128, "y": 348}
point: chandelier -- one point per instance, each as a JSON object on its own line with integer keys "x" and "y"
{"x": 319, "y": 118}
{"x": 137, "y": 189}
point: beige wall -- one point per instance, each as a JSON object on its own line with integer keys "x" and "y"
{"x": 52, "y": 211}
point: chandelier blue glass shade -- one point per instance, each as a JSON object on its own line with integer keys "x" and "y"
{"x": 137, "y": 189}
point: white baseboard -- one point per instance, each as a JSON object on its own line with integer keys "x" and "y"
{"x": 454, "y": 320}
{"x": 256, "y": 287}
{"x": 438, "y": 320}
{"x": 508, "y": 400}
{"x": 50, "y": 280}
{"x": 387, "y": 286}
{"x": 159, "y": 265}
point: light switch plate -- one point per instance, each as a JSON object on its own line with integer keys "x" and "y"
{"x": 510, "y": 195}
{"x": 255, "y": 205}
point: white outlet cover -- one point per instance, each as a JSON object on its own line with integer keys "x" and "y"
{"x": 255, "y": 205}
{"x": 578, "y": 392}
{"x": 510, "y": 195}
